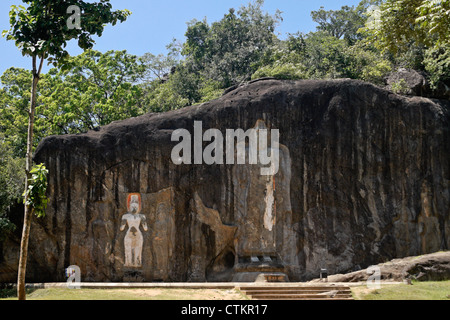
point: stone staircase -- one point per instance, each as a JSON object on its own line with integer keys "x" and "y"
{"x": 297, "y": 292}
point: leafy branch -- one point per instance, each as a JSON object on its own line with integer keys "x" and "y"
{"x": 35, "y": 196}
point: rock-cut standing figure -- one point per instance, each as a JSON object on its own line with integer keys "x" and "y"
{"x": 133, "y": 239}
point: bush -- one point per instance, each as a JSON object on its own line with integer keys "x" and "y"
{"x": 12, "y": 178}
{"x": 282, "y": 71}
{"x": 437, "y": 64}
{"x": 400, "y": 87}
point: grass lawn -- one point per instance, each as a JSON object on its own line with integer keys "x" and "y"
{"x": 418, "y": 291}
{"x": 133, "y": 294}
{"x": 439, "y": 290}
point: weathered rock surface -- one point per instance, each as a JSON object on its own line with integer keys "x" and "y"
{"x": 416, "y": 84}
{"x": 429, "y": 267}
{"x": 364, "y": 178}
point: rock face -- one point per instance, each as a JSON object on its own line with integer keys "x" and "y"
{"x": 363, "y": 178}
{"x": 412, "y": 82}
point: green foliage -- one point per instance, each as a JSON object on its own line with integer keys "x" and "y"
{"x": 400, "y": 87}
{"x": 159, "y": 67}
{"x": 14, "y": 103}
{"x": 325, "y": 56}
{"x": 95, "y": 88}
{"x": 40, "y": 28}
{"x": 216, "y": 56}
{"x": 8, "y": 291}
{"x": 284, "y": 60}
{"x": 434, "y": 18}
{"x": 411, "y": 57}
{"x": 393, "y": 25}
{"x": 402, "y": 22}
{"x": 15, "y": 96}
{"x": 12, "y": 178}
{"x": 319, "y": 55}
{"x": 161, "y": 97}
{"x": 6, "y": 228}
{"x": 98, "y": 88}
{"x": 280, "y": 70}
{"x": 210, "y": 90}
{"x": 366, "y": 63}
{"x": 343, "y": 23}
{"x": 437, "y": 64}
{"x": 227, "y": 51}
{"x": 35, "y": 196}
{"x": 417, "y": 33}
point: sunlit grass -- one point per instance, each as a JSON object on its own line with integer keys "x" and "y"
{"x": 433, "y": 290}
{"x": 134, "y": 294}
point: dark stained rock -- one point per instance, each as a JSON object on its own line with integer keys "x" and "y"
{"x": 414, "y": 82}
{"x": 364, "y": 178}
{"x": 442, "y": 90}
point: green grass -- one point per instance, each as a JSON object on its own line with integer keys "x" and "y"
{"x": 439, "y": 290}
{"x": 418, "y": 291}
{"x": 133, "y": 294}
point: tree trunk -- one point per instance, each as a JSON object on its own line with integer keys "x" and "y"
{"x": 21, "y": 293}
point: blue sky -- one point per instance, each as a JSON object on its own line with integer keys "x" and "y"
{"x": 154, "y": 24}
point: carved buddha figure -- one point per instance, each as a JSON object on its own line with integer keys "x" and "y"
{"x": 134, "y": 240}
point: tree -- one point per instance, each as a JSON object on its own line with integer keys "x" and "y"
{"x": 400, "y": 22}
{"x": 11, "y": 185}
{"x": 437, "y": 64}
{"x": 41, "y": 31}
{"x": 434, "y": 17}
{"x": 161, "y": 97}
{"x": 14, "y": 105}
{"x": 228, "y": 50}
{"x": 159, "y": 67}
{"x": 320, "y": 55}
{"x": 343, "y": 23}
{"x": 284, "y": 59}
{"x": 97, "y": 89}
{"x": 416, "y": 33}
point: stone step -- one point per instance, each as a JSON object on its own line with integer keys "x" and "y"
{"x": 298, "y": 292}
{"x": 307, "y": 299}
{"x": 287, "y": 288}
{"x": 298, "y": 296}
{"x": 294, "y": 291}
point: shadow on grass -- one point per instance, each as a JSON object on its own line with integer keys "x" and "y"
{"x": 10, "y": 291}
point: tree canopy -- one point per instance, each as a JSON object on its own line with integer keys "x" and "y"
{"x": 40, "y": 28}
{"x": 400, "y": 22}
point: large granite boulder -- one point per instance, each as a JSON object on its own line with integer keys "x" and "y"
{"x": 415, "y": 83}
{"x": 363, "y": 178}
{"x": 408, "y": 81}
